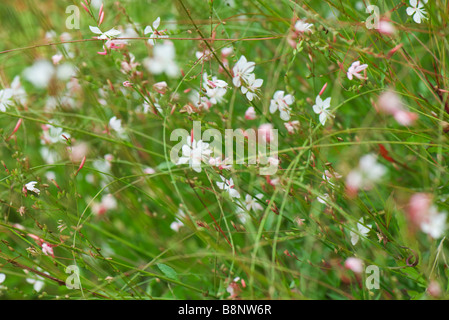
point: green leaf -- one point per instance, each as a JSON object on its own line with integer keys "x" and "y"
{"x": 168, "y": 271}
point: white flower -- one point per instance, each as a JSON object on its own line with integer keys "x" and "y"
{"x": 18, "y": 92}
{"x": 163, "y": 60}
{"x": 110, "y": 34}
{"x": 215, "y": 88}
{"x": 194, "y": 153}
{"x": 252, "y": 203}
{"x": 417, "y": 10}
{"x": 53, "y": 134}
{"x": 282, "y": 102}
{"x": 154, "y": 32}
{"x": 5, "y": 99}
{"x": 324, "y": 199}
{"x": 36, "y": 280}
{"x": 30, "y": 186}
{"x": 241, "y": 71}
{"x": 251, "y": 87}
{"x": 321, "y": 107}
{"x": 367, "y": 173}
{"x": 116, "y": 125}
{"x": 434, "y": 223}
{"x": 228, "y": 185}
{"x": 362, "y": 230}
{"x": 2, "y": 278}
{"x": 40, "y": 73}
{"x": 355, "y": 69}
{"x": 302, "y": 26}
{"x": 177, "y": 224}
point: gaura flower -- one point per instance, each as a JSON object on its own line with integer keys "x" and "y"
{"x": 282, "y": 103}
{"x": 321, "y": 107}
{"x": 251, "y": 87}
{"x": 362, "y": 230}
{"x": 194, "y": 153}
{"x": 241, "y": 71}
{"x": 228, "y": 185}
{"x": 110, "y": 34}
{"x": 30, "y": 186}
{"x": 355, "y": 69}
{"x": 416, "y": 10}
{"x": 154, "y": 32}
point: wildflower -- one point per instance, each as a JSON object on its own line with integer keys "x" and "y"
{"x": 154, "y": 32}
{"x": 354, "y": 264}
{"x": 221, "y": 164}
{"x": 266, "y": 131}
{"x": 228, "y": 185}
{"x": 241, "y": 71}
{"x": 355, "y": 69}
{"x": 47, "y": 248}
{"x": 36, "y": 280}
{"x": 362, "y": 230}
{"x": 321, "y": 107}
{"x": 116, "y": 125}
{"x": 163, "y": 60}
{"x": 108, "y": 202}
{"x": 251, "y": 203}
{"x": 386, "y": 27}
{"x": 53, "y": 134}
{"x": 327, "y": 176}
{"x": 416, "y": 10}
{"x": 281, "y": 102}
{"x": 110, "y": 34}
{"x": 40, "y": 73}
{"x": 250, "y": 114}
{"x": 204, "y": 55}
{"x": 160, "y": 87}
{"x": 194, "y": 153}
{"x": 434, "y": 289}
{"x": 149, "y": 170}
{"x": 5, "y": 99}
{"x": 390, "y": 103}
{"x": 434, "y": 224}
{"x": 292, "y": 126}
{"x": 30, "y": 186}
{"x": 177, "y": 224}
{"x": 302, "y": 26}
{"x": 324, "y": 199}
{"x": 367, "y": 173}
{"x": 251, "y": 87}
{"x": 215, "y": 88}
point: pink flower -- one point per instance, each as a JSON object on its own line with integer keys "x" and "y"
{"x": 385, "y": 27}
{"x": 47, "y": 248}
{"x": 250, "y": 114}
{"x": 266, "y": 131}
{"x": 355, "y": 69}
{"x": 292, "y": 126}
{"x": 354, "y": 264}
{"x": 390, "y": 103}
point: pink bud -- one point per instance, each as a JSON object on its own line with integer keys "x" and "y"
{"x": 101, "y": 19}
{"x": 322, "y": 89}
{"x": 85, "y": 8}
